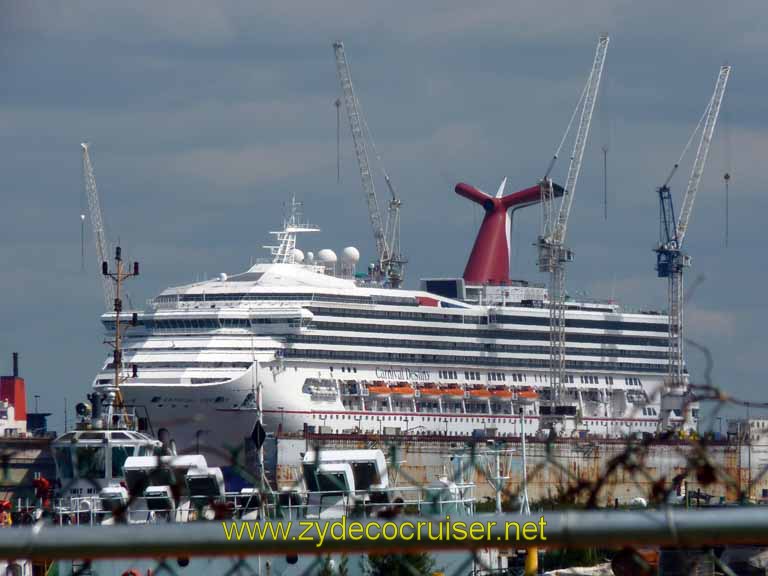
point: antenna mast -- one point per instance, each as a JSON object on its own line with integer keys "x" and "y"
{"x": 117, "y": 277}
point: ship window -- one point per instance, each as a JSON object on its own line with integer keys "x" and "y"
{"x": 90, "y": 462}
{"x": 119, "y": 455}
{"x": 63, "y": 459}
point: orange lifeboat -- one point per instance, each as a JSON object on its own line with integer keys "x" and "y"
{"x": 528, "y": 394}
{"x": 453, "y": 391}
{"x": 480, "y": 393}
{"x": 430, "y": 390}
{"x": 378, "y": 390}
{"x": 502, "y": 393}
{"x": 403, "y": 390}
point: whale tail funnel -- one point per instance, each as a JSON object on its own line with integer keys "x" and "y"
{"x": 489, "y": 260}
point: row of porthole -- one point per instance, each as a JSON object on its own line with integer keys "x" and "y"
{"x": 481, "y": 420}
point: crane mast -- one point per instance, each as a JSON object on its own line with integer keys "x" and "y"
{"x": 553, "y": 253}
{"x": 94, "y": 208}
{"x": 671, "y": 261}
{"x": 387, "y": 236}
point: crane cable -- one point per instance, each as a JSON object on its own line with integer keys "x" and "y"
{"x": 556, "y": 155}
{"x": 567, "y": 131}
{"x": 605, "y": 122}
{"x": 83, "y": 201}
{"x": 690, "y": 141}
{"x": 727, "y": 169}
{"x": 337, "y": 103}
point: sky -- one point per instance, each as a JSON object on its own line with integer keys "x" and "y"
{"x": 203, "y": 117}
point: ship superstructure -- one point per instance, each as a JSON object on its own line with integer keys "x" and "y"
{"x": 309, "y": 343}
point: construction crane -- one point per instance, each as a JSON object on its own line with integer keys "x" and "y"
{"x": 671, "y": 261}
{"x": 94, "y": 208}
{"x": 391, "y": 264}
{"x": 553, "y": 253}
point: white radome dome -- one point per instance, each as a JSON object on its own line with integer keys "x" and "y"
{"x": 298, "y": 255}
{"x": 327, "y": 256}
{"x": 310, "y": 257}
{"x": 351, "y": 255}
{"x": 222, "y": 277}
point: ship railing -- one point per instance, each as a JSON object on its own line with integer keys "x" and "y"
{"x": 427, "y": 500}
{"x": 443, "y": 499}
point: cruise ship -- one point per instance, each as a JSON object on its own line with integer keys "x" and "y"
{"x": 305, "y": 343}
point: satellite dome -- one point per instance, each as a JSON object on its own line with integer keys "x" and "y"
{"x": 350, "y": 255}
{"x": 327, "y": 256}
{"x": 310, "y": 257}
{"x": 222, "y": 277}
{"x": 298, "y": 256}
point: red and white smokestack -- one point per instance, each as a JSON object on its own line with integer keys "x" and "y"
{"x": 489, "y": 260}
{"x": 12, "y": 389}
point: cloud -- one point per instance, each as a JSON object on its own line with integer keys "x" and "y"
{"x": 178, "y": 19}
{"x": 254, "y": 166}
{"x": 202, "y": 115}
{"x": 710, "y": 325}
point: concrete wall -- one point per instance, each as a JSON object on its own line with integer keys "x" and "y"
{"x": 554, "y": 468}
{"x": 20, "y": 460}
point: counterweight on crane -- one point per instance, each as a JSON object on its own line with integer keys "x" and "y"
{"x": 391, "y": 263}
{"x": 671, "y": 261}
{"x": 553, "y": 253}
{"x": 94, "y": 208}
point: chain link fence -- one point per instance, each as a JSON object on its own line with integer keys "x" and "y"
{"x": 671, "y": 502}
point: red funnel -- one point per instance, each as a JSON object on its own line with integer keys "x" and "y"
{"x": 489, "y": 260}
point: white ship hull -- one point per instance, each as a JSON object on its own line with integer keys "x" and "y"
{"x": 216, "y": 419}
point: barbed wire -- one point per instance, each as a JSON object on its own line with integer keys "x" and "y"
{"x": 663, "y": 469}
